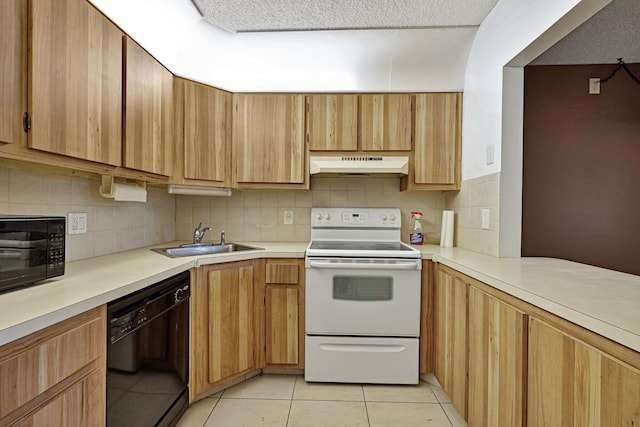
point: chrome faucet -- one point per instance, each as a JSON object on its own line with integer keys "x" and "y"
{"x": 222, "y": 238}
{"x": 198, "y": 233}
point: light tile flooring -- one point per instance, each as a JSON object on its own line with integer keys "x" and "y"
{"x": 289, "y": 401}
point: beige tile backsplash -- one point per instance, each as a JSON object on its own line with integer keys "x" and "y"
{"x": 248, "y": 215}
{"x": 111, "y": 226}
{"x": 474, "y": 195}
{"x": 258, "y": 215}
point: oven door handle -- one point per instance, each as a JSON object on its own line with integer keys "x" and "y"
{"x": 396, "y": 265}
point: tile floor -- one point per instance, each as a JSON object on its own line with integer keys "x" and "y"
{"x": 288, "y": 401}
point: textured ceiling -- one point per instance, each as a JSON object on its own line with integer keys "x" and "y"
{"x": 612, "y": 33}
{"x": 299, "y": 15}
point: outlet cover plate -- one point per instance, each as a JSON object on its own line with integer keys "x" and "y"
{"x": 77, "y": 223}
{"x": 485, "y": 219}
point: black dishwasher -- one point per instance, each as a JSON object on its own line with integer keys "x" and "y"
{"x": 148, "y": 355}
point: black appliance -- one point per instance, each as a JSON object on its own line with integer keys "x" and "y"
{"x": 148, "y": 355}
{"x": 31, "y": 249}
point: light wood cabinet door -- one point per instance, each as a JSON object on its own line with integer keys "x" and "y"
{"x": 207, "y": 133}
{"x": 75, "y": 97}
{"x": 223, "y": 324}
{"x": 13, "y": 70}
{"x": 269, "y": 146}
{"x": 450, "y": 324}
{"x": 385, "y": 122}
{"x": 437, "y": 142}
{"x": 148, "y": 112}
{"x": 38, "y": 369}
{"x": 497, "y": 362}
{"x": 573, "y": 384}
{"x": 332, "y": 122}
{"x": 284, "y": 311}
{"x": 81, "y": 405}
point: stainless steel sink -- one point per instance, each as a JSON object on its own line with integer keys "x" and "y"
{"x": 203, "y": 249}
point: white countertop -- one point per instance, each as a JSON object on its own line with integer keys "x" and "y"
{"x": 604, "y": 301}
{"x": 91, "y": 282}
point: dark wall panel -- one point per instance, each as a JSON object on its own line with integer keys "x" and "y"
{"x": 581, "y": 166}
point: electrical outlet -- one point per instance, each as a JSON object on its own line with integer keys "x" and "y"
{"x": 594, "y": 86}
{"x": 485, "y": 219}
{"x": 76, "y": 223}
{"x": 288, "y": 217}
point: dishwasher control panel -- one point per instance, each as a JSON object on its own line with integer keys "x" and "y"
{"x": 132, "y": 312}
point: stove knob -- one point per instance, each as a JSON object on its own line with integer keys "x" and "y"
{"x": 327, "y": 217}
{"x": 319, "y": 217}
{"x": 383, "y": 216}
{"x": 392, "y": 217}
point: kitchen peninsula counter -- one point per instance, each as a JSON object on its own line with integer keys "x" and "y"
{"x": 604, "y": 301}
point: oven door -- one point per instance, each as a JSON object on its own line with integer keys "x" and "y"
{"x": 368, "y": 297}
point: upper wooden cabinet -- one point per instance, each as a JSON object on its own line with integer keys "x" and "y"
{"x": 436, "y": 160}
{"x": 332, "y": 122}
{"x": 384, "y": 122}
{"x": 268, "y": 141}
{"x": 148, "y": 112}
{"x": 203, "y": 134}
{"x": 75, "y": 98}
{"x": 13, "y": 70}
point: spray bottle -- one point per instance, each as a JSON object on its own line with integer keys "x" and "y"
{"x": 417, "y": 236}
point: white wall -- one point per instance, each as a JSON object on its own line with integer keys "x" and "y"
{"x": 365, "y": 60}
{"x": 513, "y": 34}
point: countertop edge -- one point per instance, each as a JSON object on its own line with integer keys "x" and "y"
{"x": 87, "y": 299}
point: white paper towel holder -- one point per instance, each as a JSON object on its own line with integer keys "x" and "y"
{"x": 107, "y": 189}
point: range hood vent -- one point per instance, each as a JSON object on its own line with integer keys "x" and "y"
{"x": 359, "y": 165}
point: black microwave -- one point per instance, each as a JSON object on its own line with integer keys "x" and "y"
{"x": 31, "y": 249}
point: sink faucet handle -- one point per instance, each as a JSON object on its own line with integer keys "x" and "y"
{"x": 198, "y": 234}
{"x": 222, "y": 237}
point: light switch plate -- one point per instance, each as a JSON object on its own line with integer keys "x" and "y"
{"x": 490, "y": 154}
{"x": 77, "y": 223}
{"x": 485, "y": 219}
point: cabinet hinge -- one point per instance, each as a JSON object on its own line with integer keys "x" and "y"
{"x": 26, "y": 122}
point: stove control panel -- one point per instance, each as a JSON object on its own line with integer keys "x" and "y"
{"x": 356, "y": 217}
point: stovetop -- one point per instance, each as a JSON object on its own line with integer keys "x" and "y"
{"x": 359, "y": 246}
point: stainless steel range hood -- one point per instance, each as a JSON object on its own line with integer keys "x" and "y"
{"x": 359, "y": 165}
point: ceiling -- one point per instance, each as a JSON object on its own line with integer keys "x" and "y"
{"x": 304, "y": 15}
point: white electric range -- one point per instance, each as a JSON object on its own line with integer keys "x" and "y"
{"x": 362, "y": 298}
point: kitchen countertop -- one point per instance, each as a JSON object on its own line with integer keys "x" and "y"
{"x": 604, "y": 301}
{"x": 91, "y": 282}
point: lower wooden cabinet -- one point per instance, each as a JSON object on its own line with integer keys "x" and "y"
{"x": 450, "y": 329}
{"x": 574, "y": 384}
{"x": 81, "y": 405}
{"x": 497, "y": 362}
{"x": 223, "y": 324}
{"x": 56, "y": 376}
{"x": 505, "y": 362}
{"x": 284, "y": 313}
